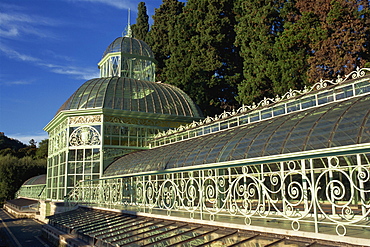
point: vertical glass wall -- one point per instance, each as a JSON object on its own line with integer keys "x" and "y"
{"x": 57, "y": 161}
{"x": 75, "y": 154}
{"x": 81, "y": 147}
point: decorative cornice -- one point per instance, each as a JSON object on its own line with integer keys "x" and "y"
{"x": 85, "y": 119}
{"x": 267, "y": 101}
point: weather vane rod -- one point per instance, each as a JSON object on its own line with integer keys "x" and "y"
{"x": 128, "y": 28}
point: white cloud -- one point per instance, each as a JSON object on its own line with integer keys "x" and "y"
{"x": 119, "y": 4}
{"x": 18, "y": 82}
{"x": 13, "y": 24}
{"x": 38, "y": 137}
{"x": 78, "y": 72}
{"x": 16, "y": 55}
{"x": 85, "y": 73}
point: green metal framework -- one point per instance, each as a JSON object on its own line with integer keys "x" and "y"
{"x": 303, "y": 171}
{"x": 84, "y": 140}
{"x": 32, "y": 191}
{"x": 133, "y": 96}
{"x": 335, "y": 123}
{"x": 292, "y": 101}
{"x": 128, "y": 57}
{"x": 328, "y": 194}
{"x": 102, "y": 228}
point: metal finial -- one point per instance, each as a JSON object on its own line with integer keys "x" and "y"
{"x": 128, "y": 28}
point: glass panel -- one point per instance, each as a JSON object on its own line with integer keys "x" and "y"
{"x": 321, "y": 132}
{"x": 254, "y": 116}
{"x": 295, "y": 139}
{"x": 344, "y": 92}
{"x": 308, "y": 102}
{"x": 257, "y": 146}
{"x": 325, "y": 97}
{"x": 224, "y": 125}
{"x": 293, "y": 106}
{"x": 244, "y": 119}
{"x": 349, "y": 126}
{"x": 279, "y": 110}
{"x": 362, "y": 87}
{"x": 266, "y": 113}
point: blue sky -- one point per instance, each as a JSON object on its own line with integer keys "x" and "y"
{"x": 48, "y": 48}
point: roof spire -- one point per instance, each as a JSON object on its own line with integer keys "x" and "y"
{"x": 128, "y": 28}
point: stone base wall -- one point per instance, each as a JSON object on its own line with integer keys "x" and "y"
{"x": 20, "y": 214}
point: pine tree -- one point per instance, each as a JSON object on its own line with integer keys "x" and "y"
{"x": 292, "y": 48}
{"x": 141, "y": 28}
{"x": 259, "y": 24}
{"x": 164, "y": 21}
{"x": 204, "y": 61}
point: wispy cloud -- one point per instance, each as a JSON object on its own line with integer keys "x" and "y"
{"x": 77, "y": 72}
{"x": 11, "y": 53}
{"x": 85, "y": 73}
{"x": 14, "y": 23}
{"x": 18, "y": 82}
{"x": 119, "y": 4}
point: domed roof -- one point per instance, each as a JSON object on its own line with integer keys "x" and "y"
{"x": 121, "y": 93}
{"x": 40, "y": 179}
{"x": 130, "y": 46}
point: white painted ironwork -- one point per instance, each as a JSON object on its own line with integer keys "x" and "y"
{"x": 329, "y": 194}
{"x": 85, "y": 135}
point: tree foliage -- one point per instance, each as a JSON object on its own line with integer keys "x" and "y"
{"x": 259, "y": 25}
{"x": 165, "y": 19}
{"x": 223, "y": 52}
{"x": 141, "y": 28}
{"x": 340, "y": 45}
{"x": 203, "y": 60}
{"x": 19, "y": 164}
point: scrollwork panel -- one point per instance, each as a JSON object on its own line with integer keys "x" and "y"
{"x": 334, "y": 188}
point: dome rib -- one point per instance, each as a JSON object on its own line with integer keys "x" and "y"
{"x": 120, "y": 93}
{"x": 130, "y": 46}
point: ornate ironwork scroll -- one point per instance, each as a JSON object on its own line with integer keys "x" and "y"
{"x": 299, "y": 194}
{"x": 85, "y": 119}
{"x": 85, "y": 135}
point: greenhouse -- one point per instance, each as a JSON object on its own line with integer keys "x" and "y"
{"x": 131, "y": 159}
{"x": 294, "y": 165}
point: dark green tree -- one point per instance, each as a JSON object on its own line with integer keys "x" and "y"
{"x": 292, "y": 48}
{"x": 42, "y": 150}
{"x": 365, "y": 17}
{"x": 259, "y": 25}
{"x": 165, "y": 18}
{"x": 141, "y": 28}
{"x": 6, "y": 142}
{"x": 15, "y": 171}
{"x": 19, "y": 164}
{"x": 204, "y": 61}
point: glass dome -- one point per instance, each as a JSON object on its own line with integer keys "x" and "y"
{"x": 40, "y": 179}
{"x": 128, "y": 57}
{"x": 130, "y": 46}
{"x": 120, "y": 93}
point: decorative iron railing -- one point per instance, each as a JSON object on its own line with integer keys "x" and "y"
{"x": 328, "y": 195}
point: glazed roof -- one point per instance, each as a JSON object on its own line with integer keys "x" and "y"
{"x": 335, "y": 124}
{"x": 40, "y": 179}
{"x": 130, "y": 46}
{"x": 127, "y": 94}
